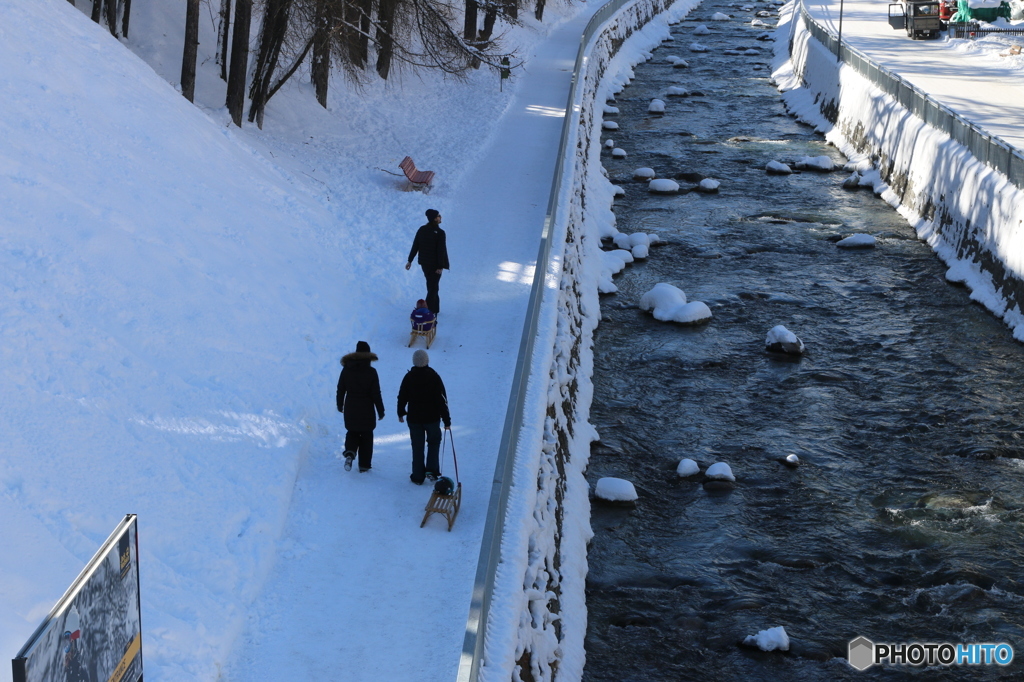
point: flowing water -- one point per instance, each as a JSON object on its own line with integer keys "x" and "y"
{"x": 904, "y": 521}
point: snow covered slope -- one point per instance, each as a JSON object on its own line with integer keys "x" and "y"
{"x": 174, "y": 297}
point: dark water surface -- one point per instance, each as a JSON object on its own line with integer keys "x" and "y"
{"x": 904, "y": 521}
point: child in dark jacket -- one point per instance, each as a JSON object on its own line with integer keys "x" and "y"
{"x": 422, "y": 319}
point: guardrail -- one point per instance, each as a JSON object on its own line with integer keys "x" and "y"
{"x": 986, "y": 147}
{"x": 490, "y": 548}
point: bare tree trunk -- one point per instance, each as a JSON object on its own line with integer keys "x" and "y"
{"x": 97, "y": 10}
{"x": 510, "y": 8}
{"x": 112, "y": 17}
{"x": 223, "y": 31}
{"x": 357, "y": 13}
{"x": 366, "y": 6}
{"x": 320, "y": 70}
{"x": 469, "y": 27}
{"x": 275, "y": 25}
{"x": 489, "y": 18}
{"x": 188, "y": 56}
{"x": 385, "y": 41}
{"x": 72, "y": 2}
{"x": 538, "y": 12}
{"x": 124, "y": 18}
{"x": 239, "y": 60}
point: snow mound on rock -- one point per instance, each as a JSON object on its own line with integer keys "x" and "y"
{"x": 615, "y": 490}
{"x": 720, "y": 471}
{"x": 771, "y": 639}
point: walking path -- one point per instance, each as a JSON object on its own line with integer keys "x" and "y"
{"x": 359, "y": 591}
{"x": 984, "y": 88}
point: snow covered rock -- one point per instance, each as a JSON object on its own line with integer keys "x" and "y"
{"x": 656, "y": 106}
{"x": 623, "y": 255}
{"x": 615, "y": 490}
{"x": 761, "y": 24}
{"x": 697, "y": 47}
{"x": 618, "y": 191}
{"x": 719, "y": 16}
{"x": 622, "y": 241}
{"x": 681, "y": 64}
{"x": 640, "y": 251}
{"x": 612, "y": 263}
{"x": 701, "y": 30}
{"x": 668, "y": 304}
{"x": 772, "y": 639}
{"x": 708, "y": 186}
{"x": 609, "y": 144}
{"x": 852, "y": 182}
{"x": 638, "y": 238}
{"x": 777, "y": 168}
{"x": 610, "y": 125}
{"x": 857, "y": 241}
{"x": 751, "y": 52}
{"x": 644, "y": 174}
{"x": 816, "y": 163}
{"x": 672, "y": 59}
{"x": 720, "y": 471}
{"x": 609, "y": 110}
{"x": 687, "y": 468}
{"x": 781, "y": 340}
{"x": 676, "y": 91}
{"x": 618, "y": 153}
{"x": 663, "y": 186}
{"x": 791, "y": 460}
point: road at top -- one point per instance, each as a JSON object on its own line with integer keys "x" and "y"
{"x": 985, "y": 89}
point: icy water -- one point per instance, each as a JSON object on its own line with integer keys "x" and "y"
{"x": 904, "y": 521}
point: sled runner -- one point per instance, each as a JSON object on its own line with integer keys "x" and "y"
{"x": 446, "y": 497}
{"x": 420, "y": 180}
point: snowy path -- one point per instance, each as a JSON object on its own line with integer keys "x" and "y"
{"x": 359, "y": 591}
{"x": 984, "y": 88}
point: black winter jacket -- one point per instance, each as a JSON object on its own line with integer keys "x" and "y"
{"x": 432, "y": 245}
{"x": 423, "y": 398}
{"x": 359, "y": 392}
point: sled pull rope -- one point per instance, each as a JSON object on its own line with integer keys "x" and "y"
{"x": 448, "y": 437}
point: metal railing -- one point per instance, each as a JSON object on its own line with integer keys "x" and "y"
{"x": 490, "y": 547}
{"x": 986, "y": 147}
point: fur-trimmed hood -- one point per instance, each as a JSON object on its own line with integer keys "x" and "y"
{"x": 351, "y": 357}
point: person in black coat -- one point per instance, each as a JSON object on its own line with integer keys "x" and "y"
{"x": 358, "y": 397}
{"x": 431, "y": 244}
{"x": 422, "y": 397}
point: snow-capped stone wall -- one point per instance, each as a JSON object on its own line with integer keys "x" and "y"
{"x": 537, "y": 620}
{"x": 968, "y": 211}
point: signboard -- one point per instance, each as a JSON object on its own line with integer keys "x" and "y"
{"x": 94, "y": 633}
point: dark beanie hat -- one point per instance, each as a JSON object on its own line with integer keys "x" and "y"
{"x": 362, "y": 347}
{"x": 431, "y": 214}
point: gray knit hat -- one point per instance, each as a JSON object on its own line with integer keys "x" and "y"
{"x": 420, "y": 358}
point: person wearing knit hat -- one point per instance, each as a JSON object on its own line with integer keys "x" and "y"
{"x": 358, "y": 398}
{"x": 423, "y": 399}
{"x": 430, "y": 243}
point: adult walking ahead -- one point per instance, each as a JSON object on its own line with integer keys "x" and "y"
{"x": 422, "y": 397}
{"x": 358, "y": 396}
{"x": 431, "y": 245}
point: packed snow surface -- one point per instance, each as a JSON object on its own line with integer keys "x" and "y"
{"x": 176, "y": 295}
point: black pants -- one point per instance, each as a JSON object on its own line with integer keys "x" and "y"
{"x": 433, "y": 282}
{"x": 361, "y": 443}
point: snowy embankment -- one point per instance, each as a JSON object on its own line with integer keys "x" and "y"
{"x": 538, "y": 613}
{"x": 969, "y": 213}
{"x": 176, "y": 295}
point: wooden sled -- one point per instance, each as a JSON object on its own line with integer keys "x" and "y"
{"x": 419, "y": 331}
{"x": 445, "y": 505}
